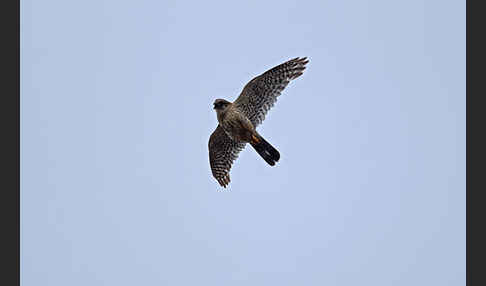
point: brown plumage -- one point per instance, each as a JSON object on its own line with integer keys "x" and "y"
{"x": 238, "y": 120}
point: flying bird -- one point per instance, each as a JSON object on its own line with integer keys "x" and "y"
{"x": 238, "y": 120}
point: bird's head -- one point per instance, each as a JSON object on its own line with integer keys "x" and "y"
{"x": 220, "y": 105}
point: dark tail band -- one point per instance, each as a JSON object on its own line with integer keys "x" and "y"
{"x": 268, "y": 153}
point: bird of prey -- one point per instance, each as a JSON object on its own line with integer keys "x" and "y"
{"x": 238, "y": 120}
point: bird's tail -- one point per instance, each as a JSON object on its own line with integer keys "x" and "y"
{"x": 267, "y": 151}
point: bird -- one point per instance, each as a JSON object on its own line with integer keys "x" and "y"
{"x": 237, "y": 120}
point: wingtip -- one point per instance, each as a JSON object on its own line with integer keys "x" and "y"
{"x": 304, "y": 60}
{"x": 300, "y": 61}
{"x": 224, "y": 181}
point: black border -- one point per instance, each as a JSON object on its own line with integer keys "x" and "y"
{"x": 474, "y": 72}
{"x": 469, "y": 119}
{"x": 10, "y": 22}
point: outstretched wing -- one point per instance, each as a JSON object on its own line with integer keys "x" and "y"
{"x": 222, "y": 152}
{"x": 260, "y": 94}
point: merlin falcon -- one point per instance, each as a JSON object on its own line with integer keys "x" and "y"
{"x": 238, "y": 120}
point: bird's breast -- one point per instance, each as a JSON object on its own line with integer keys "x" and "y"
{"x": 237, "y": 127}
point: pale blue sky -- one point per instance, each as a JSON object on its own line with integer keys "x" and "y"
{"x": 116, "y": 112}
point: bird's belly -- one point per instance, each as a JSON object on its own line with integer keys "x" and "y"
{"x": 236, "y": 131}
